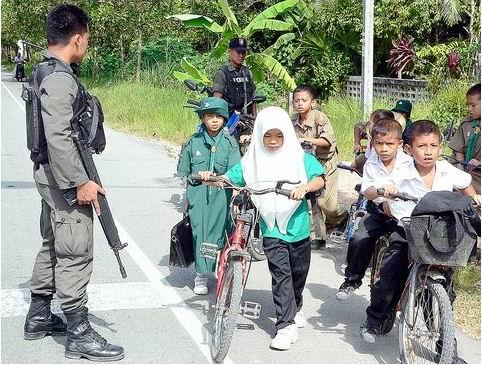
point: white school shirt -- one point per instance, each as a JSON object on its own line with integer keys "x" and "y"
{"x": 377, "y": 175}
{"x": 446, "y": 178}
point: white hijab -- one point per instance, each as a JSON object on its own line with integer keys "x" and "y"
{"x": 262, "y": 168}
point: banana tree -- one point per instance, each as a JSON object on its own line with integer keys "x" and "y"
{"x": 261, "y": 63}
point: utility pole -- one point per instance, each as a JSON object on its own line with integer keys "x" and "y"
{"x": 367, "y": 59}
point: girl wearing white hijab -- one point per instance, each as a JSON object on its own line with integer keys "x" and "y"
{"x": 275, "y": 154}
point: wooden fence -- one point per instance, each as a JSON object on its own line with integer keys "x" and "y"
{"x": 388, "y": 88}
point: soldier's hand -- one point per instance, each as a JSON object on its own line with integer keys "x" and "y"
{"x": 87, "y": 194}
{"x": 245, "y": 138}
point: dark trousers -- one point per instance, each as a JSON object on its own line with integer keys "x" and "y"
{"x": 288, "y": 264}
{"x": 386, "y": 292}
{"x": 360, "y": 248}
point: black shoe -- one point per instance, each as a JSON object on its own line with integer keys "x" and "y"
{"x": 347, "y": 289}
{"x": 40, "y": 321}
{"x": 84, "y": 341}
{"x": 318, "y": 243}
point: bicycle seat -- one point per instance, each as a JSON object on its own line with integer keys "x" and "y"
{"x": 357, "y": 188}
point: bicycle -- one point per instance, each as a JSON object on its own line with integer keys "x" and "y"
{"x": 233, "y": 266}
{"x": 357, "y": 211}
{"x": 464, "y": 164}
{"x": 426, "y": 328}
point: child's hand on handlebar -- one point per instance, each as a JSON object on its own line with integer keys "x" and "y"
{"x": 205, "y": 175}
{"x": 389, "y": 190}
{"x": 472, "y": 164}
{"x": 299, "y": 192}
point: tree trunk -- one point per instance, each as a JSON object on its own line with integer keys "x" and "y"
{"x": 471, "y": 21}
{"x": 122, "y": 57}
{"x": 139, "y": 51}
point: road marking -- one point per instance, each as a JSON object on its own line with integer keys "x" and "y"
{"x": 21, "y": 106}
{"x": 102, "y": 297}
{"x": 184, "y": 315}
{"x": 191, "y": 324}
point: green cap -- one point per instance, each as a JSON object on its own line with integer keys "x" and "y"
{"x": 214, "y": 105}
{"x": 403, "y": 106}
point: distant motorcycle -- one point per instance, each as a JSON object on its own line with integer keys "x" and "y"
{"x": 20, "y": 71}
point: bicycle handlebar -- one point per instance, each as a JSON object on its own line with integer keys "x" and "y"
{"x": 277, "y": 190}
{"x": 349, "y": 168}
{"x": 401, "y": 196}
{"x": 454, "y": 161}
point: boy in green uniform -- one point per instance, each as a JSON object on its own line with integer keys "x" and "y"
{"x": 313, "y": 126}
{"x": 211, "y": 150}
{"x": 275, "y": 154}
{"x": 466, "y": 141}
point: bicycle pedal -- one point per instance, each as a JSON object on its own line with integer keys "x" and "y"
{"x": 257, "y": 244}
{"x": 209, "y": 250}
{"x": 251, "y": 310}
{"x": 245, "y": 326}
{"x": 337, "y": 236}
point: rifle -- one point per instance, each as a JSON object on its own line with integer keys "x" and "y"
{"x": 105, "y": 217}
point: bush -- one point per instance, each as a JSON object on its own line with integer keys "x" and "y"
{"x": 449, "y": 105}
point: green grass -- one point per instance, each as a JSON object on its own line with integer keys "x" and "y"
{"x": 467, "y": 304}
{"x": 147, "y": 110}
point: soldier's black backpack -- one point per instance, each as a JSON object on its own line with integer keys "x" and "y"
{"x": 87, "y": 119}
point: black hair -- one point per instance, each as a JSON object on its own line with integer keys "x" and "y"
{"x": 308, "y": 88}
{"x": 63, "y": 21}
{"x": 380, "y": 114}
{"x": 421, "y": 127}
{"x": 474, "y": 90}
{"x": 387, "y": 126}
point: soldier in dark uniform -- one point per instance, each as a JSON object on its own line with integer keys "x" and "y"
{"x": 234, "y": 81}
{"x": 65, "y": 260}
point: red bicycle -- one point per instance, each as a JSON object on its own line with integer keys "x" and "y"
{"x": 233, "y": 264}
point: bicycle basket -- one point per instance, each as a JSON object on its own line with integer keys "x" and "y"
{"x": 435, "y": 246}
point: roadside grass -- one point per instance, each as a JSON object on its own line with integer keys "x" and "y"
{"x": 467, "y": 303}
{"x": 147, "y": 110}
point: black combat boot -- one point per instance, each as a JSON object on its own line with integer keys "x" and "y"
{"x": 84, "y": 341}
{"x": 40, "y": 321}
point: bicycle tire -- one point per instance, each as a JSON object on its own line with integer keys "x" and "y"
{"x": 445, "y": 346}
{"x": 377, "y": 256}
{"x": 227, "y": 310}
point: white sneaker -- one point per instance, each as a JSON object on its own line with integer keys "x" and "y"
{"x": 200, "y": 284}
{"x": 300, "y": 319}
{"x": 284, "y": 338}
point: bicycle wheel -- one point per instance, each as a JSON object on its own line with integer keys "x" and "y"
{"x": 227, "y": 310}
{"x": 428, "y": 335}
{"x": 380, "y": 248}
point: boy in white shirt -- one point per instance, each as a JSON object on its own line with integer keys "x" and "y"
{"x": 424, "y": 143}
{"x": 381, "y": 169}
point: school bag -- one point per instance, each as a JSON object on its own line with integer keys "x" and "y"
{"x": 451, "y": 217}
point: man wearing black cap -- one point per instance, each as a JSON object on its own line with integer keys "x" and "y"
{"x": 233, "y": 81}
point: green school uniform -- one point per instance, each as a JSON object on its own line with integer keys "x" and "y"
{"x": 208, "y": 205}
{"x": 299, "y": 224}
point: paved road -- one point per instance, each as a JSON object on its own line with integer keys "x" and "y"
{"x": 153, "y": 313}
